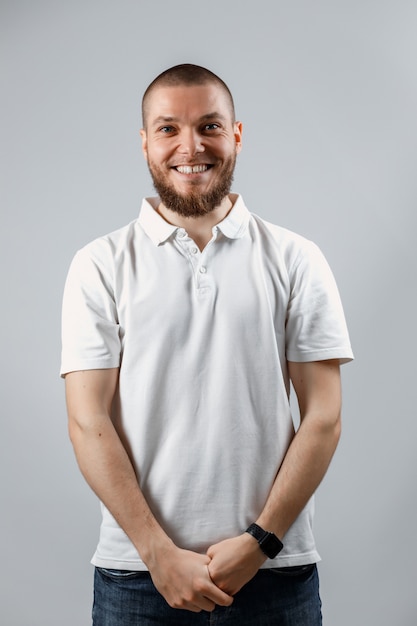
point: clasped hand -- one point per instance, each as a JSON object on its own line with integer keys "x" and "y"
{"x": 234, "y": 562}
{"x": 197, "y": 582}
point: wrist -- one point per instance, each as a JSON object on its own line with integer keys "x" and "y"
{"x": 251, "y": 549}
{"x": 156, "y": 548}
{"x": 268, "y": 542}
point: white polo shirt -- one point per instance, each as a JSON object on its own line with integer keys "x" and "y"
{"x": 202, "y": 340}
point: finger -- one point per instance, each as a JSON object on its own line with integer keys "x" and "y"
{"x": 197, "y": 604}
{"x": 205, "y": 604}
{"x": 215, "y": 593}
{"x": 193, "y": 608}
{"x": 218, "y": 596}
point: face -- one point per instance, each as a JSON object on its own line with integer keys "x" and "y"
{"x": 190, "y": 143}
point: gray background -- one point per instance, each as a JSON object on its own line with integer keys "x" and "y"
{"x": 327, "y": 91}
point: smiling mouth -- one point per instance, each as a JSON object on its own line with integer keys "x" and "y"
{"x": 192, "y": 169}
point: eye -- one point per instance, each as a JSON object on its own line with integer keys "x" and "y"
{"x": 212, "y": 126}
{"x": 166, "y": 129}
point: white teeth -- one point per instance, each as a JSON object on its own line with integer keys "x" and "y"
{"x": 191, "y": 169}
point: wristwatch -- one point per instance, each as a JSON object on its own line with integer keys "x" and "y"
{"x": 268, "y": 542}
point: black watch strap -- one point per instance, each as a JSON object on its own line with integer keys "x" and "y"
{"x": 268, "y": 542}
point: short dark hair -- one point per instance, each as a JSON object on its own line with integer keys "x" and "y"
{"x": 185, "y": 74}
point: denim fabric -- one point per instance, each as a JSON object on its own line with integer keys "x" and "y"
{"x": 274, "y": 597}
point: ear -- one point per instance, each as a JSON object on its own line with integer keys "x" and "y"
{"x": 144, "y": 143}
{"x": 237, "y": 129}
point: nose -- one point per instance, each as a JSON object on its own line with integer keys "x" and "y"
{"x": 191, "y": 142}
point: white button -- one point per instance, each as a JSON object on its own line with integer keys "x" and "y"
{"x": 194, "y": 250}
{"x": 182, "y": 233}
{"x": 203, "y": 269}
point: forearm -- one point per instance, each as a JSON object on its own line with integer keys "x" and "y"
{"x": 235, "y": 561}
{"x": 317, "y": 385}
{"x": 301, "y": 472}
{"x": 181, "y": 576}
{"x": 108, "y": 470}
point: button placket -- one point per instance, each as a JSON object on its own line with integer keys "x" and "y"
{"x": 202, "y": 276}
{"x": 197, "y": 259}
{"x": 204, "y": 280}
{"x": 194, "y": 255}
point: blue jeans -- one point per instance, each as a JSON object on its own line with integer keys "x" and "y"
{"x": 274, "y": 597}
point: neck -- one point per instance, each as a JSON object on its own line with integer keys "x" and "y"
{"x": 198, "y": 228}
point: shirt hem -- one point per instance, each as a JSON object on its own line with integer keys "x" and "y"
{"x": 344, "y": 356}
{"x": 139, "y": 566}
{"x": 88, "y": 365}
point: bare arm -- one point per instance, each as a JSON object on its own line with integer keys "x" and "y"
{"x": 318, "y": 389}
{"x": 180, "y": 575}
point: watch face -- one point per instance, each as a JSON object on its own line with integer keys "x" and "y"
{"x": 271, "y": 545}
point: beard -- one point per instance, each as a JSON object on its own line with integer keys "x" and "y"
{"x": 194, "y": 204}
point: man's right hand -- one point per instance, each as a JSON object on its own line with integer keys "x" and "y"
{"x": 182, "y": 577}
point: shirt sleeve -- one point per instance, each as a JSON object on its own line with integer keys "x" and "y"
{"x": 90, "y": 329}
{"x": 315, "y": 327}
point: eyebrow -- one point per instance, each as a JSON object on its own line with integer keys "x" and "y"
{"x": 164, "y": 119}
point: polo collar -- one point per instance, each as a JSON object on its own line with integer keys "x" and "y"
{"x": 236, "y": 221}
{"x": 158, "y": 230}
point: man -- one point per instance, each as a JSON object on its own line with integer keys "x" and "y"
{"x": 181, "y": 334}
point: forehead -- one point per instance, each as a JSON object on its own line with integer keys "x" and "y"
{"x": 187, "y": 102}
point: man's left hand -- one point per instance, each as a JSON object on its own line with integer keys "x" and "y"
{"x": 234, "y": 562}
